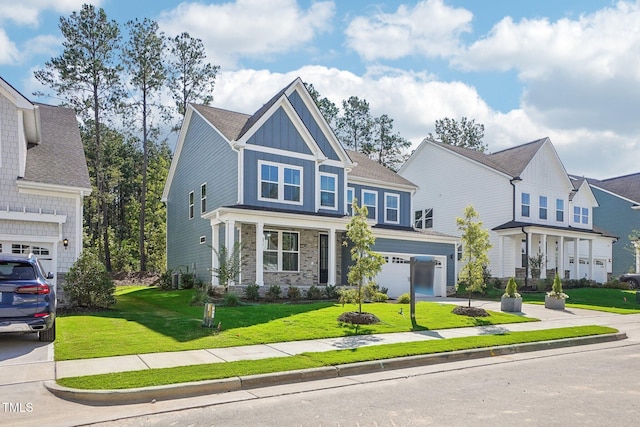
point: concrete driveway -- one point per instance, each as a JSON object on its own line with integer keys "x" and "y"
{"x": 25, "y": 359}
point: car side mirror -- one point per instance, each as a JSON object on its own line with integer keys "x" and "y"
{"x": 49, "y": 275}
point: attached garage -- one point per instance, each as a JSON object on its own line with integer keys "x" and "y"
{"x": 395, "y": 275}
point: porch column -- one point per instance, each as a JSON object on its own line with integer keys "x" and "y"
{"x": 560, "y": 265}
{"x": 637, "y": 245}
{"x": 543, "y": 266}
{"x": 230, "y": 240}
{"x": 529, "y": 253}
{"x": 259, "y": 254}
{"x": 331, "y": 280}
{"x": 215, "y": 244}
{"x": 576, "y": 258}
{"x": 590, "y": 259}
{"x": 501, "y": 255}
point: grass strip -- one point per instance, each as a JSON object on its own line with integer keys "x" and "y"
{"x": 155, "y": 377}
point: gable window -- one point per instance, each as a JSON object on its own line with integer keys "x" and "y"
{"x": 328, "y": 193}
{"x": 526, "y": 204}
{"x": 191, "y": 199}
{"x": 282, "y": 183}
{"x": 428, "y": 218}
{"x": 203, "y": 198}
{"x": 423, "y": 219}
{"x": 370, "y": 200}
{"x": 281, "y": 250}
{"x": 418, "y": 219}
{"x": 559, "y": 210}
{"x": 543, "y": 207}
{"x": 392, "y": 208}
{"x": 350, "y": 193}
{"x": 580, "y": 215}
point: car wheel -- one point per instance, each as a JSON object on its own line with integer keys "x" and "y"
{"x": 48, "y": 335}
{"x": 634, "y": 283}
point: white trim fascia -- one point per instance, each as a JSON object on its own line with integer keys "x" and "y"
{"x": 240, "y": 175}
{"x": 32, "y": 217}
{"x": 29, "y": 238}
{"x": 178, "y": 150}
{"x": 298, "y": 86}
{"x": 44, "y": 189}
{"x": 541, "y": 229}
{"x": 414, "y": 236}
{"x": 16, "y": 98}
{"x": 592, "y": 196}
{"x": 381, "y": 184}
{"x": 274, "y": 218}
{"x": 618, "y": 196}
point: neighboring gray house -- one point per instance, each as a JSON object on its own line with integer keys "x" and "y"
{"x": 43, "y": 180}
{"x": 280, "y": 182}
{"x": 619, "y": 213}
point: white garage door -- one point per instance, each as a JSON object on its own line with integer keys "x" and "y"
{"x": 395, "y": 275}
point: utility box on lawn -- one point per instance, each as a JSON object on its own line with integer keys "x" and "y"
{"x": 422, "y": 278}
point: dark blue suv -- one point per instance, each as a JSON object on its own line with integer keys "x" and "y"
{"x": 27, "y": 299}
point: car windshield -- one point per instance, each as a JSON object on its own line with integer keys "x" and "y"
{"x": 10, "y": 270}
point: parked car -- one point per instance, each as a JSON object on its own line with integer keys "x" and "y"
{"x": 631, "y": 278}
{"x": 27, "y": 298}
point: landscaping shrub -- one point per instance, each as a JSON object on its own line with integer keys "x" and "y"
{"x": 348, "y": 296}
{"x": 404, "y": 299}
{"x": 88, "y": 283}
{"x": 380, "y": 297}
{"x": 580, "y": 283}
{"x": 165, "y": 282}
{"x": 332, "y": 292}
{"x": 231, "y": 299}
{"x": 252, "y": 292}
{"x": 188, "y": 281}
{"x": 314, "y": 292}
{"x": 274, "y": 293}
{"x": 616, "y": 284}
{"x": 294, "y": 293}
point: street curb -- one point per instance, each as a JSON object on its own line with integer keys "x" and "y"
{"x": 199, "y": 388}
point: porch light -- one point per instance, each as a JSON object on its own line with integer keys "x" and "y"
{"x": 65, "y": 243}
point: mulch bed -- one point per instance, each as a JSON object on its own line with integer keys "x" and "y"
{"x": 356, "y": 318}
{"x": 470, "y": 311}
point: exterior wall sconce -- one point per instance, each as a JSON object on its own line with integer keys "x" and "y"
{"x": 65, "y": 243}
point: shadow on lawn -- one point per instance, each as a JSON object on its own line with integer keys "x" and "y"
{"x": 170, "y": 313}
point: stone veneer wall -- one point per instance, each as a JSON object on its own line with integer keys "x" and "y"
{"x": 309, "y": 251}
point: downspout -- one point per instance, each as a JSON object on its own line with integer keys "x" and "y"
{"x": 513, "y": 182}
{"x": 526, "y": 254}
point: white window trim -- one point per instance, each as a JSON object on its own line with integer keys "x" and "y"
{"x": 203, "y": 199}
{"x": 335, "y": 191}
{"x": 523, "y": 204}
{"x": 375, "y": 193}
{"x": 191, "y": 200}
{"x": 560, "y": 210}
{"x": 540, "y": 207}
{"x": 346, "y": 201}
{"x": 281, "y": 251}
{"x": 281, "y": 167}
{"x": 397, "y": 197}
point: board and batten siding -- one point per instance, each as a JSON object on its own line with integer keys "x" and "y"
{"x": 616, "y": 217}
{"x": 313, "y": 126}
{"x": 205, "y": 157}
{"x": 279, "y": 132}
{"x": 405, "y": 213}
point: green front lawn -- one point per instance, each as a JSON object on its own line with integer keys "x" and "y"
{"x": 155, "y": 377}
{"x": 602, "y": 299}
{"x": 147, "y": 320}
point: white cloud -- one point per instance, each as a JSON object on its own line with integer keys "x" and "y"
{"x": 248, "y": 28}
{"x": 27, "y": 12}
{"x": 8, "y": 51}
{"x": 429, "y": 29}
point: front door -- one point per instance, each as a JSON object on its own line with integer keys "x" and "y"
{"x": 323, "y": 261}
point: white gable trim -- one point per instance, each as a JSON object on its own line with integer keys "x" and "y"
{"x": 14, "y": 96}
{"x": 547, "y": 142}
{"x": 585, "y": 187}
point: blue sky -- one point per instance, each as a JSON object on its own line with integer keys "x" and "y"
{"x": 569, "y": 69}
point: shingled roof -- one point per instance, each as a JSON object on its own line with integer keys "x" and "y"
{"x": 229, "y": 123}
{"x": 59, "y": 157}
{"x": 369, "y": 169}
{"x": 627, "y": 186}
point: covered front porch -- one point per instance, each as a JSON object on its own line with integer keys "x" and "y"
{"x": 572, "y": 253}
{"x": 280, "y": 248}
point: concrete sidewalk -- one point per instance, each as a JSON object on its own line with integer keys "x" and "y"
{"x": 549, "y": 319}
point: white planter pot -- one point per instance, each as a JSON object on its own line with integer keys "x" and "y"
{"x": 553, "y": 303}
{"x": 511, "y": 305}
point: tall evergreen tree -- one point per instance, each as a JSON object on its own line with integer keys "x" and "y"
{"x": 87, "y": 76}
{"x": 466, "y": 133}
{"x": 142, "y": 55}
{"x": 190, "y": 78}
{"x": 328, "y": 109}
{"x": 355, "y": 124}
{"x": 390, "y": 147}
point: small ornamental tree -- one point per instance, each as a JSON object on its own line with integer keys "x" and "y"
{"x": 475, "y": 245}
{"x": 88, "y": 284}
{"x": 229, "y": 263}
{"x": 367, "y": 263}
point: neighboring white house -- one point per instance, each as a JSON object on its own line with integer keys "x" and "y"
{"x": 43, "y": 179}
{"x": 524, "y": 198}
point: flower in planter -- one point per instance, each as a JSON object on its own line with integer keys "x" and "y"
{"x": 511, "y": 289}
{"x": 556, "y": 290}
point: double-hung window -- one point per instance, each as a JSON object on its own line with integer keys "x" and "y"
{"x": 370, "y": 200}
{"x": 281, "y": 250}
{"x": 526, "y": 204}
{"x": 392, "y": 208}
{"x": 191, "y": 201}
{"x": 350, "y": 193}
{"x": 203, "y": 198}
{"x": 543, "y": 207}
{"x": 580, "y": 215}
{"x": 281, "y": 183}
{"x": 559, "y": 210}
{"x": 328, "y": 199}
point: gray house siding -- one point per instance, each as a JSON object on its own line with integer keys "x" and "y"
{"x": 251, "y": 181}
{"x": 313, "y": 126}
{"x": 405, "y": 203}
{"x": 279, "y": 132}
{"x": 205, "y": 158}
{"x": 616, "y": 217}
